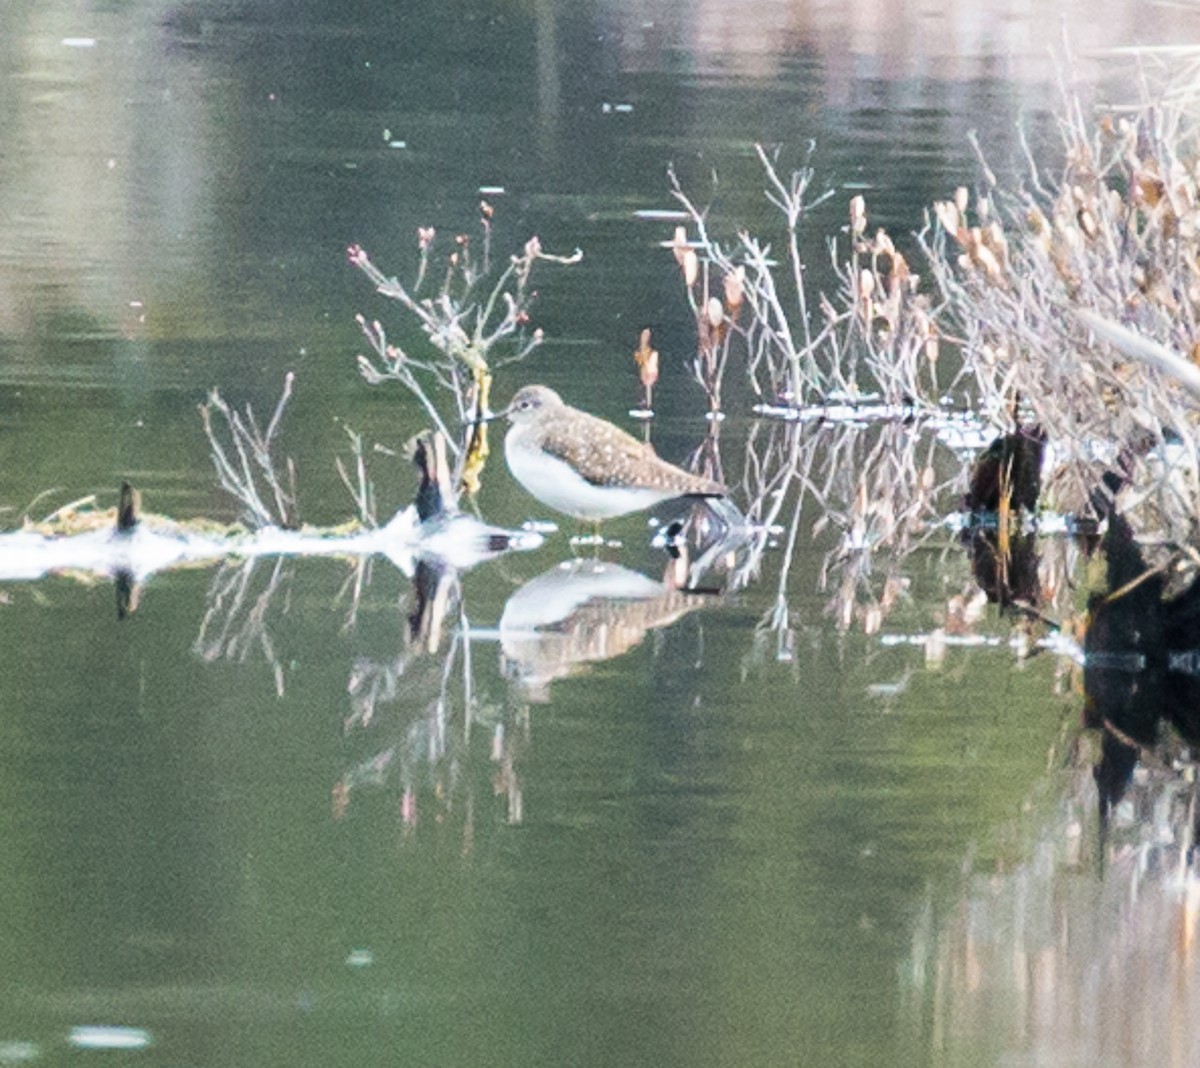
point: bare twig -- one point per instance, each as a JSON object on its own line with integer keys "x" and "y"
{"x": 251, "y": 453}
{"x": 467, "y": 327}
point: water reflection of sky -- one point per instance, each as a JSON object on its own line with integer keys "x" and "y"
{"x": 158, "y": 176}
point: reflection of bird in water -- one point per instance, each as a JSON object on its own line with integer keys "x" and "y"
{"x": 1005, "y": 568}
{"x": 580, "y": 613}
{"x": 1005, "y": 485}
{"x": 586, "y": 467}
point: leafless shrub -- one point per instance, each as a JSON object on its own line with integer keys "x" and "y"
{"x": 875, "y": 334}
{"x": 245, "y": 464}
{"x": 1077, "y": 299}
{"x": 361, "y": 488}
{"x": 475, "y": 322}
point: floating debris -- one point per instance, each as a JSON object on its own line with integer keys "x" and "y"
{"x": 82, "y": 539}
{"x": 79, "y": 42}
{"x": 661, "y": 215}
{"x": 98, "y": 1037}
{"x": 834, "y": 412}
{"x": 890, "y": 689}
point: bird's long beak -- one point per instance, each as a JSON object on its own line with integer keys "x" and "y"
{"x": 491, "y": 417}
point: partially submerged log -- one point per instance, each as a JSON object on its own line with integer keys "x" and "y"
{"x": 127, "y": 543}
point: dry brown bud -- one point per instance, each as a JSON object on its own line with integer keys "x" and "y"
{"x": 872, "y": 619}
{"x": 647, "y": 360}
{"x": 858, "y": 216}
{"x": 679, "y": 244}
{"x": 900, "y": 271}
{"x": 735, "y": 288}
{"x": 648, "y": 371}
{"x": 715, "y": 312}
{"x": 962, "y": 198}
{"x": 1149, "y": 188}
{"x": 948, "y": 216}
{"x": 986, "y": 259}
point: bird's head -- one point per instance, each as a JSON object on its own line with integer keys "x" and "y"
{"x": 529, "y": 402}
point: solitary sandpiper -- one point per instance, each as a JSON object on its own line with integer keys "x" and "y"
{"x": 584, "y": 466}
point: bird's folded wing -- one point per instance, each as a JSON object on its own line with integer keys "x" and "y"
{"x": 607, "y": 457}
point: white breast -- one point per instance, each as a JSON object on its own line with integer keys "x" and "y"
{"x": 556, "y": 484}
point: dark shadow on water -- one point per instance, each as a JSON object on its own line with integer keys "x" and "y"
{"x": 1141, "y": 655}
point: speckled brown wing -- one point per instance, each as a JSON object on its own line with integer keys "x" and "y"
{"x": 605, "y": 455}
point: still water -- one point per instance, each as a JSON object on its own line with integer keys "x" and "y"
{"x": 257, "y": 822}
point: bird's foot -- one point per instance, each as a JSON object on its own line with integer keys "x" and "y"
{"x": 593, "y": 541}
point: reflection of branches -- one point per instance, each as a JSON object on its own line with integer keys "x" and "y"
{"x": 235, "y": 621}
{"x": 772, "y": 473}
{"x": 1038, "y": 947}
{"x": 352, "y": 588}
{"x": 884, "y": 487}
{"x": 878, "y": 486}
{"x": 426, "y": 702}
